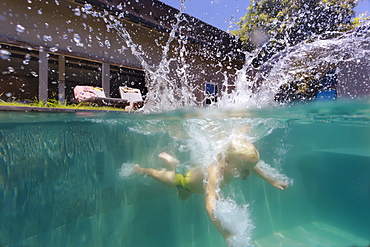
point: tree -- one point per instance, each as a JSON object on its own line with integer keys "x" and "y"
{"x": 273, "y": 25}
{"x": 288, "y": 22}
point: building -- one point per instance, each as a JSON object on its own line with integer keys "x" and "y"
{"x": 48, "y": 47}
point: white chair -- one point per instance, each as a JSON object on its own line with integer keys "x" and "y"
{"x": 130, "y": 94}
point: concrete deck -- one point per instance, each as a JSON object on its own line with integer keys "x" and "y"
{"x": 50, "y": 109}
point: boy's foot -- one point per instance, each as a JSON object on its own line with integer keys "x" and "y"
{"x": 172, "y": 162}
{"x": 137, "y": 168}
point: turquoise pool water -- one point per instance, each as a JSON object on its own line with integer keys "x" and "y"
{"x": 60, "y": 182}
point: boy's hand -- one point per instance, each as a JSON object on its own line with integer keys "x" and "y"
{"x": 280, "y": 185}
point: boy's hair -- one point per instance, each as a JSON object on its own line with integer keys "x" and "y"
{"x": 240, "y": 146}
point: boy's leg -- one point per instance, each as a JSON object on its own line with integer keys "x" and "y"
{"x": 184, "y": 194}
{"x": 165, "y": 177}
{"x": 172, "y": 162}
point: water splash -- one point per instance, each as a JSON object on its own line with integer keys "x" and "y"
{"x": 166, "y": 90}
{"x": 127, "y": 169}
{"x": 274, "y": 173}
{"x": 257, "y": 87}
{"x": 169, "y": 82}
{"x": 237, "y": 220}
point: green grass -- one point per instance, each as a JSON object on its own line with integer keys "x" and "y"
{"x": 58, "y": 104}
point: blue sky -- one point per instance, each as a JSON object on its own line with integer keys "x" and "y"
{"x": 222, "y": 13}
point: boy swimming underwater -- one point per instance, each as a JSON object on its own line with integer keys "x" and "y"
{"x": 238, "y": 160}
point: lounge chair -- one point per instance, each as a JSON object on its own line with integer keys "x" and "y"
{"x": 131, "y": 94}
{"x": 96, "y": 96}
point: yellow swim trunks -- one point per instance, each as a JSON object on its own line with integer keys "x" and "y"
{"x": 182, "y": 181}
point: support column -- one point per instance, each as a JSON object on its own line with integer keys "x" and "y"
{"x": 62, "y": 79}
{"x": 106, "y": 78}
{"x": 43, "y": 75}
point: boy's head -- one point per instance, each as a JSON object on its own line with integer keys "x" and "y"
{"x": 241, "y": 156}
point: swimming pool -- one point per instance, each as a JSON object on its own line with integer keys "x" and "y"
{"x": 60, "y": 182}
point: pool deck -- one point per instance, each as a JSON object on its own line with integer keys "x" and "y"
{"x": 50, "y": 109}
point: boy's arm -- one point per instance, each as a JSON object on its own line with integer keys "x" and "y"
{"x": 277, "y": 184}
{"x": 211, "y": 196}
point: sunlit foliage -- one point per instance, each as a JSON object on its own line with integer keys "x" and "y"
{"x": 288, "y": 22}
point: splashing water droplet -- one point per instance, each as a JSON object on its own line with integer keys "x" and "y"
{"x": 77, "y": 11}
{"x": 87, "y": 6}
{"x": 4, "y": 54}
{"x": 76, "y": 38}
{"x": 107, "y": 43}
{"x": 27, "y": 59}
{"x": 20, "y": 28}
{"x": 47, "y": 38}
{"x": 54, "y": 49}
{"x": 34, "y": 74}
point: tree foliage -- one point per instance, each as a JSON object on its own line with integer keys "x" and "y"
{"x": 288, "y": 22}
{"x": 273, "y": 25}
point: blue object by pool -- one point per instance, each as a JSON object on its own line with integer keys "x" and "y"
{"x": 326, "y": 95}
{"x": 328, "y": 87}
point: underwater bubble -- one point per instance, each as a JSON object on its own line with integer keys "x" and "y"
{"x": 69, "y": 48}
{"x": 56, "y": 2}
{"x": 34, "y": 74}
{"x": 4, "y": 54}
{"x": 8, "y": 95}
{"x": 20, "y": 28}
{"x": 39, "y": 11}
{"x": 127, "y": 169}
{"x": 237, "y": 220}
{"x": 11, "y": 69}
{"x": 274, "y": 173}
